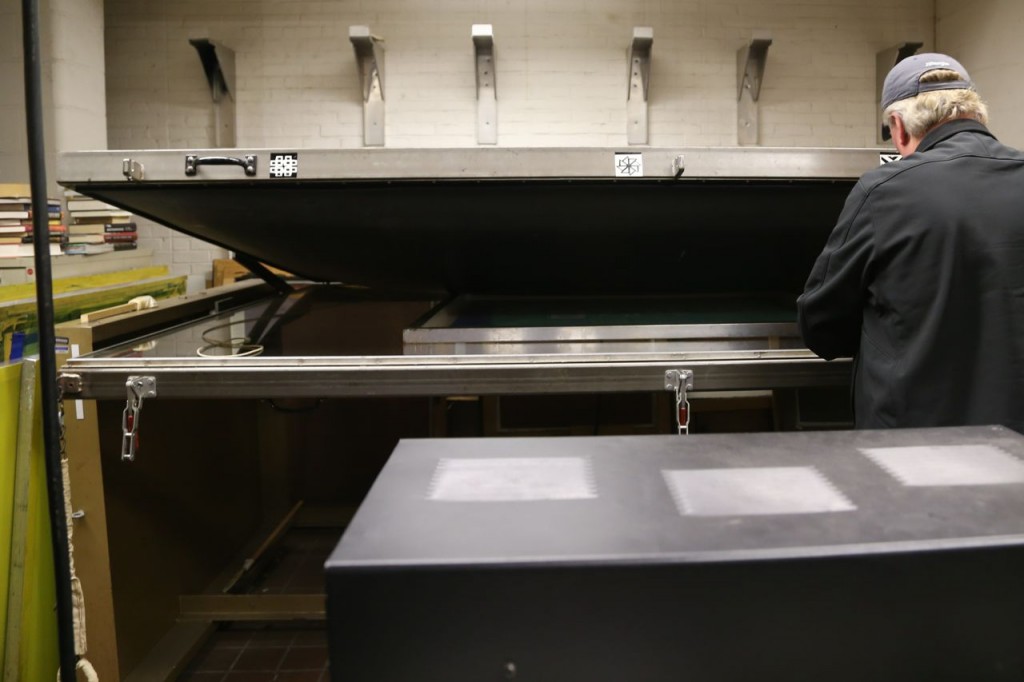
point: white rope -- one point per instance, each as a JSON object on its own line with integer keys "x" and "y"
{"x": 77, "y": 596}
{"x": 87, "y": 670}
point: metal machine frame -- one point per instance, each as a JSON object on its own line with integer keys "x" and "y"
{"x": 567, "y": 360}
{"x": 99, "y": 172}
{"x": 81, "y": 170}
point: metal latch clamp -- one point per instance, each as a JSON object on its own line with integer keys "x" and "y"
{"x": 680, "y": 381}
{"x": 137, "y": 388}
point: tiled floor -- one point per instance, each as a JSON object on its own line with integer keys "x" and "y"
{"x": 262, "y": 653}
{"x": 298, "y": 567}
{"x": 274, "y": 652}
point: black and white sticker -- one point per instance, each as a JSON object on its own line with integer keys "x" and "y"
{"x": 284, "y": 165}
{"x": 629, "y": 165}
{"x": 888, "y": 158}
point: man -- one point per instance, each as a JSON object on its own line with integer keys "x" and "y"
{"x": 922, "y": 279}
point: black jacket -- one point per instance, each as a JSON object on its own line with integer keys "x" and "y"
{"x": 922, "y": 281}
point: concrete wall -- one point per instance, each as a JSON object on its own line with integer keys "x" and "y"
{"x": 78, "y": 74}
{"x": 13, "y": 147}
{"x": 561, "y": 69}
{"x": 985, "y": 36}
{"x": 73, "y": 84}
{"x": 13, "y": 132}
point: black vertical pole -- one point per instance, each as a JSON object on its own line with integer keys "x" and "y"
{"x": 47, "y": 340}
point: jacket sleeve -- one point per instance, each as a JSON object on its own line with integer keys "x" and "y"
{"x": 831, "y": 309}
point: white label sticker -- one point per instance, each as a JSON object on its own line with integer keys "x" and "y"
{"x": 79, "y": 405}
{"x": 629, "y": 165}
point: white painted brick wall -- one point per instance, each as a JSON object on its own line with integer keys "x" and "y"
{"x": 72, "y": 79}
{"x": 561, "y": 72}
{"x": 561, "y": 69}
{"x": 77, "y": 55}
{"x": 985, "y": 36}
{"x": 13, "y": 144}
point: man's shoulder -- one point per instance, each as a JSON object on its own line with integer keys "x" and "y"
{"x": 935, "y": 159}
{"x": 886, "y": 172}
{"x": 937, "y": 167}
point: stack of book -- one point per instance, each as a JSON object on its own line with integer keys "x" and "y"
{"x": 96, "y": 227}
{"x": 16, "y": 222}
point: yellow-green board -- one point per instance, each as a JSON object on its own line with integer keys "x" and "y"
{"x": 34, "y": 625}
{"x": 10, "y": 386}
{"x": 71, "y": 300}
{"x": 66, "y": 285}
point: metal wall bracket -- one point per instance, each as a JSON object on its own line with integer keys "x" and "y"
{"x": 639, "y": 84}
{"x": 486, "y": 85}
{"x": 750, "y": 63}
{"x": 370, "y": 62}
{"x": 884, "y": 61}
{"x": 219, "y": 67}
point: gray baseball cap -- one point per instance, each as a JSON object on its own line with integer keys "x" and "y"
{"x": 904, "y": 80}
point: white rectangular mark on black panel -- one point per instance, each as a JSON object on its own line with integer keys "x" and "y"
{"x": 948, "y": 465}
{"x": 512, "y": 479}
{"x": 754, "y": 491}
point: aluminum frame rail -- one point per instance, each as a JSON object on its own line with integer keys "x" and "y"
{"x": 86, "y": 168}
{"x": 368, "y": 376}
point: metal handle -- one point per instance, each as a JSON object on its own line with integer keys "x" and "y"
{"x": 192, "y": 163}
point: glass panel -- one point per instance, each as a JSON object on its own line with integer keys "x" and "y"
{"x": 316, "y": 321}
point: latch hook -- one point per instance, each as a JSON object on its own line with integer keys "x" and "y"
{"x": 680, "y": 381}
{"x": 137, "y": 388}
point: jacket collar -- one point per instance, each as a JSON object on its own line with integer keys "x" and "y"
{"x": 948, "y": 130}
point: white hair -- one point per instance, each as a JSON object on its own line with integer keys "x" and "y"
{"x": 926, "y": 110}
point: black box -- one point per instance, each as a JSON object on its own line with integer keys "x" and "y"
{"x": 867, "y": 556}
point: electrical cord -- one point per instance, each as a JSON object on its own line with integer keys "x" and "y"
{"x": 240, "y": 346}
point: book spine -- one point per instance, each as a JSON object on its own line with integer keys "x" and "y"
{"x": 119, "y": 227}
{"x": 120, "y": 237}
